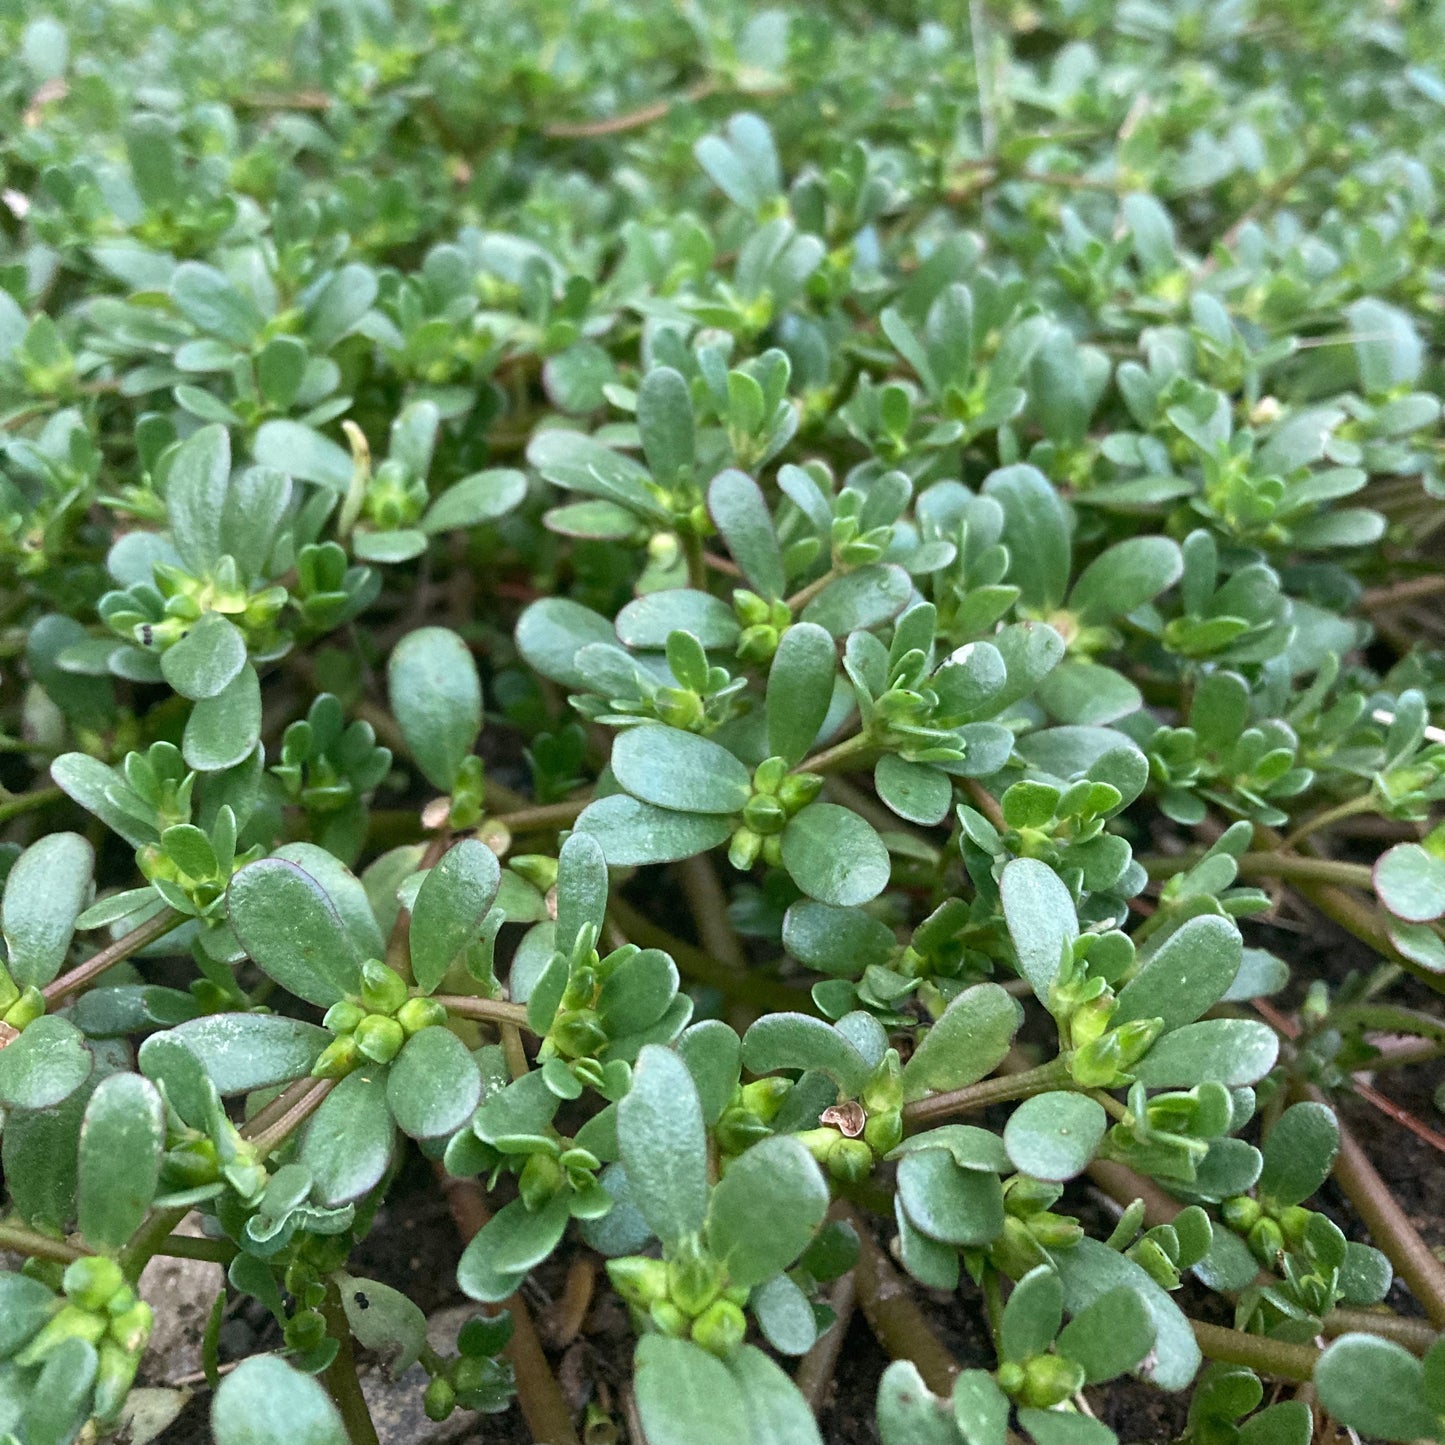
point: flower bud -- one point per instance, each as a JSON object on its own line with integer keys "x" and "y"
{"x": 1049, "y": 1380}
{"x": 764, "y": 1097}
{"x": 419, "y": 1013}
{"x": 679, "y": 707}
{"x": 1024, "y": 1195}
{"x": 90, "y": 1281}
{"x": 343, "y": 1017}
{"x": 757, "y": 644}
{"x": 884, "y": 1089}
{"x": 26, "y": 1009}
{"x": 337, "y": 1059}
{"x": 743, "y": 849}
{"x": 884, "y": 1131}
{"x": 1015, "y": 1252}
{"x": 383, "y": 990}
{"x": 1241, "y": 1213}
{"x": 850, "y": 1161}
{"x": 379, "y": 1038}
{"x": 132, "y": 1327}
{"x": 749, "y": 608}
{"x": 539, "y": 1181}
{"x": 1011, "y": 1377}
{"x": 797, "y": 790}
{"x": 1294, "y": 1223}
{"x": 1055, "y": 1231}
{"x": 720, "y": 1328}
{"x": 669, "y": 1319}
{"x": 772, "y": 850}
{"x": 9, "y": 990}
{"x": 639, "y": 1280}
{"x": 578, "y": 1035}
{"x": 191, "y": 1164}
{"x": 738, "y": 1130}
{"x": 305, "y": 1330}
{"x": 1154, "y": 1262}
{"x": 113, "y": 1379}
{"x": 694, "y": 1280}
{"x": 764, "y": 814}
{"x": 537, "y": 868}
{"x": 440, "y": 1399}
{"x": 1266, "y": 1241}
{"x": 71, "y": 1323}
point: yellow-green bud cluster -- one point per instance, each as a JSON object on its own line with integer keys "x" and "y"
{"x": 686, "y": 1296}
{"x": 104, "y": 1311}
{"x": 1030, "y": 1228}
{"x": 375, "y": 1025}
{"x": 749, "y": 1115}
{"x": 763, "y": 625}
{"x": 19, "y": 1007}
{"x": 1041, "y": 1381}
{"x": 777, "y": 795}
{"x": 853, "y": 1137}
{"x": 1269, "y": 1231}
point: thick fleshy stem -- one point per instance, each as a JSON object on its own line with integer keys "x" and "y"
{"x": 20, "y": 1240}
{"x": 339, "y": 1376}
{"x": 999, "y": 1089}
{"x": 544, "y": 1407}
{"x": 894, "y": 1316}
{"x": 86, "y": 973}
{"x": 1277, "y": 1358}
{"x": 1389, "y": 1225}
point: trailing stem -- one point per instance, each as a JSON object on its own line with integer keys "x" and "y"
{"x": 86, "y": 973}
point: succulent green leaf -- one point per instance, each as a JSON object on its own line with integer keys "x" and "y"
{"x": 631, "y": 831}
{"x": 800, "y": 690}
{"x": 673, "y": 769}
{"x": 685, "y": 1396}
{"x": 450, "y": 906}
{"x": 1055, "y": 1135}
{"x": 349, "y": 1140}
{"x": 206, "y": 659}
{"x": 776, "y": 1180}
{"x": 664, "y": 1145}
{"x": 1188, "y": 973}
{"x": 264, "y": 1401}
{"x": 966, "y": 1043}
{"x": 436, "y": 697}
{"x": 1299, "y": 1153}
{"x": 1041, "y": 920}
{"x": 433, "y": 1085}
{"x": 121, "y": 1139}
{"x": 834, "y": 856}
{"x": 292, "y": 931}
{"x": 1376, "y": 1387}
{"x": 1110, "y": 1336}
{"x": 1232, "y": 1052}
{"x": 45, "y": 1064}
{"x": 48, "y": 886}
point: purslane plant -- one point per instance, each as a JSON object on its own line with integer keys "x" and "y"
{"x": 730, "y": 628}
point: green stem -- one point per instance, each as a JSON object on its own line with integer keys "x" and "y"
{"x": 87, "y": 972}
{"x": 851, "y": 751}
{"x": 13, "y": 807}
{"x": 1386, "y": 1018}
{"x": 20, "y": 1240}
{"x": 1277, "y": 1358}
{"x": 304, "y": 1102}
{"x": 696, "y": 562}
{"x": 492, "y": 1010}
{"x": 183, "y": 1246}
{"x": 701, "y": 967}
{"x": 1287, "y": 866}
{"x": 997, "y": 1090}
{"x": 339, "y": 1376}
{"x": 542, "y": 815}
{"x": 805, "y": 595}
{"x": 1304, "y": 870}
{"x": 149, "y": 1239}
{"x": 1350, "y": 808}
{"x": 1390, "y": 1227}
